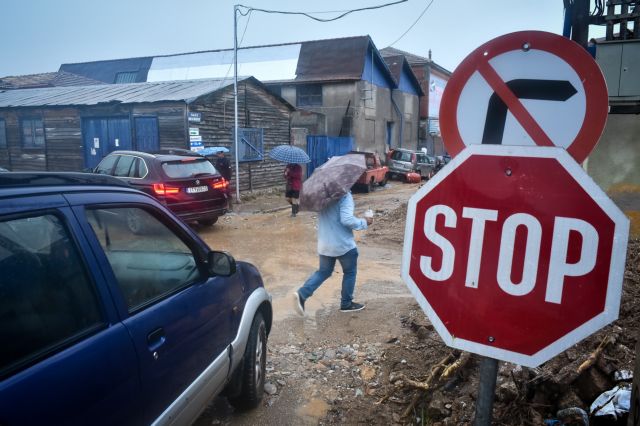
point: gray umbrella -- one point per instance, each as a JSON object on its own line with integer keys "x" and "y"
{"x": 331, "y": 181}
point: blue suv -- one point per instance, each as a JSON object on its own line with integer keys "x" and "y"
{"x": 102, "y": 326}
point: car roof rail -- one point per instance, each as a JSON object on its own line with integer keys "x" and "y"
{"x": 31, "y": 179}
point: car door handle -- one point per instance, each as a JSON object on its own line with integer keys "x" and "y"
{"x": 155, "y": 339}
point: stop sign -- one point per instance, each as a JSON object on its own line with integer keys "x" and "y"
{"x": 514, "y": 253}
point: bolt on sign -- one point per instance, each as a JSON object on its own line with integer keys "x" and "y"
{"x": 514, "y": 253}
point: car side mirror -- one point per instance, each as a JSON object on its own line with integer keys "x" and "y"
{"x": 221, "y": 263}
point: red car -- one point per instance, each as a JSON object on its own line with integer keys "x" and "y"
{"x": 188, "y": 184}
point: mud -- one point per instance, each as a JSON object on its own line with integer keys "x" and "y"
{"x": 335, "y": 368}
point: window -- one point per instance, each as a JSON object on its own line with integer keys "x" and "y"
{"x": 147, "y": 269}
{"x": 47, "y": 298}
{"x": 139, "y": 169}
{"x": 186, "y": 169}
{"x": 106, "y": 165}
{"x": 251, "y": 145}
{"x": 309, "y": 95}
{"x": 3, "y": 134}
{"x": 126, "y": 77}
{"x": 124, "y": 166}
{"x": 32, "y": 133}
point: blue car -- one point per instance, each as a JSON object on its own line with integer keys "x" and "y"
{"x": 100, "y": 326}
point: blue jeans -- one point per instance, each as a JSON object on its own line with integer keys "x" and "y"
{"x": 349, "y": 263}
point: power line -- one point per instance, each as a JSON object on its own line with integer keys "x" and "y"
{"x": 412, "y": 25}
{"x": 308, "y": 14}
{"x": 239, "y": 44}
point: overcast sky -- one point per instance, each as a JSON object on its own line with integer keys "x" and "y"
{"x": 39, "y": 35}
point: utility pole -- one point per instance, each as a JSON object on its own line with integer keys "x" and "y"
{"x": 235, "y": 97}
{"x": 580, "y": 22}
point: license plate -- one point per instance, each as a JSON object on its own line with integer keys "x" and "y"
{"x": 196, "y": 189}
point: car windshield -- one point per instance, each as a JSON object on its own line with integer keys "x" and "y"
{"x": 188, "y": 168}
{"x": 401, "y": 156}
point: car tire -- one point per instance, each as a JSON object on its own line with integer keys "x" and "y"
{"x": 370, "y": 187}
{"x": 135, "y": 222}
{"x": 208, "y": 222}
{"x": 253, "y": 367}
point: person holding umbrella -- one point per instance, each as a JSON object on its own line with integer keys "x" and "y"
{"x": 293, "y": 175}
{"x": 293, "y": 156}
{"x": 328, "y": 192}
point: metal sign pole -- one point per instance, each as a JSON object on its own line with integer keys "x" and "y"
{"x": 486, "y": 391}
{"x": 235, "y": 97}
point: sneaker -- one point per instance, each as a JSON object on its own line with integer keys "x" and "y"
{"x": 354, "y": 307}
{"x": 298, "y": 302}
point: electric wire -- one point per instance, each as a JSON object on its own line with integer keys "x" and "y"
{"x": 412, "y": 25}
{"x": 249, "y": 9}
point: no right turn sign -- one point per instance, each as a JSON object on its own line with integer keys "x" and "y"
{"x": 526, "y": 88}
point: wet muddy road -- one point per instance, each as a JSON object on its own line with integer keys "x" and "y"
{"x": 284, "y": 249}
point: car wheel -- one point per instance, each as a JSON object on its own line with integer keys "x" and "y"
{"x": 253, "y": 366}
{"x": 208, "y": 222}
{"x": 370, "y": 186}
{"x": 135, "y": 222}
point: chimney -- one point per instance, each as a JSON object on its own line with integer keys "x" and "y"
{"x": 429, "y": 54}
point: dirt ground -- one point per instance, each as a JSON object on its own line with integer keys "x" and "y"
{"x": 384, "y": 365}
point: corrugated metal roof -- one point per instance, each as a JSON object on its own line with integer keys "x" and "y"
{"x": 47, "y": 79}
{"x": 122, "y": 93}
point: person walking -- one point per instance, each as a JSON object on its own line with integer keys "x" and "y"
{"x": 336, "y": 223}
{"x": 293, "y": 175}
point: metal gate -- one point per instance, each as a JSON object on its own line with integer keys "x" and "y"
{"x": 147, "y": 139}
{"x": 102, "y": 136}
{"x": 320, "y": 148}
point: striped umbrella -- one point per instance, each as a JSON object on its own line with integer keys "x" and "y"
{"x": 289, "y": 154}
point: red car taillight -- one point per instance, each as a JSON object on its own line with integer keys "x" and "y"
{"x": 161, "y": 189}
{"x": 221, "y": 184}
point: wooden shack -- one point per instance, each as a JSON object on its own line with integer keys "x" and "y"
{"x": 73, "y": 128}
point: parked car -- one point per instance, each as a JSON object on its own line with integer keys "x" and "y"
{"x": 102, "y": 327}
{"x": 376, "y": 173}
{"x": 403, "y": 161}
{"x": 187, "y": 183}
{"x": 426, "y": 165}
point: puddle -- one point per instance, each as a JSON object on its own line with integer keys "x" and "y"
{"x": 312, "y": 411}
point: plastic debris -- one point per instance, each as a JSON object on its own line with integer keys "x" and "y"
{"x": 623, "y": 375}
{"x": 614, "y": 403}
{"x": 573, "y": 415}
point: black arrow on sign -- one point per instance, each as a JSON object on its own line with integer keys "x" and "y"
{"x": 543, "y": 90}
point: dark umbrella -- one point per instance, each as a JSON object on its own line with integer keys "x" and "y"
{"x": 331, "y": 181}
{"x": 289, "y": 154}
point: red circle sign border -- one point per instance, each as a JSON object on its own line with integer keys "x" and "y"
{"x": 573, "y": 54}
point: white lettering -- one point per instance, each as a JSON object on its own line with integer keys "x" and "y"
{"x": 531, "y": 256}
{"x": 448, "y": 252}
{"x": 558, "y": 266}
{"x": 478, "y": 217}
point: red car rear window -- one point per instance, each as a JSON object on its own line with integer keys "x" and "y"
{"x": 188, "y": 168}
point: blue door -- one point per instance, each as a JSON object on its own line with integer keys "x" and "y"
{"x": 95, "y": 137}
{"x": 321, "y": 148}
{"x": 119, "y": 134}
{"x": 102, "y": 136}
{"x": 147, "y": 134}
